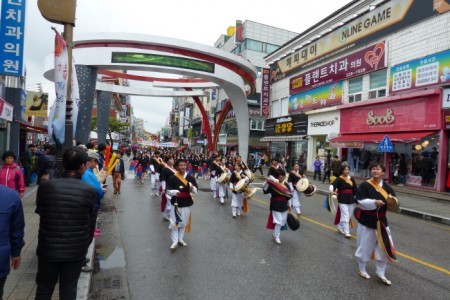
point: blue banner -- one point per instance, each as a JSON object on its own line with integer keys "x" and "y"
{"x": 12, "y": 36}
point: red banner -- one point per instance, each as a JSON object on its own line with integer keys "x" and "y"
{"x": 353, "y": 65}
{"x": 265, "y": 93}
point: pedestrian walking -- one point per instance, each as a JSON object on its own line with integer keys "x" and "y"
{"x": 345, "y": 188}
{"x": 335, "y": 164}
{"x": 63, "y": 242}
{"x": 327, "y": 169}
{"x": 258, "y": 162}
{"x": 372, "y": 198}
{"x": 11, "y": 236}
{"x": 216, "y": 171}
{"x": 317, "y": 168}
{"x": 11, "y": 174}
{"x": 118, "y": 174}
{"x": 180, "y": 186}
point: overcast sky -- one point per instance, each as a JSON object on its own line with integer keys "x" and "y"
{"x": 201, "y": 21}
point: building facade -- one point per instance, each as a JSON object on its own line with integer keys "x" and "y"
{"x": 371, "y": 69}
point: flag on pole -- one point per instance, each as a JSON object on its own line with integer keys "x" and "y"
{"x": 57, "y": 117}
{"x": 75, "y": 98}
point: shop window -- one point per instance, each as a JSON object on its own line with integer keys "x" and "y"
{"x": 378, "y": 84}
{"x": 284, "y": 106}
{"x": 355, "y": 90}
{"x": 254, "y": 45}
{"x": 276, "y": 108}
{"x": 256, "y": 124}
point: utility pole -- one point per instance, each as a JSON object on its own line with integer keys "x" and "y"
{"x": 63, "y": 12}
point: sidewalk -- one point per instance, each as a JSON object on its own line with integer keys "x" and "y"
{"x": 21, "y": 283}
{"x": 417, "y": 202}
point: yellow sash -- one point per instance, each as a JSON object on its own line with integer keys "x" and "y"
{"x": 186, "y": 183}
{"x": 347, "y": 180}
{"x": 182, "y": 179}
{"x": 378, "y": 189}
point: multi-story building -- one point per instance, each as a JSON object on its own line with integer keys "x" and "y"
{"x": 252, "y": 41}
{"x": 369, "y": 70}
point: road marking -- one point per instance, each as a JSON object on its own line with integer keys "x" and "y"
{"x": 416, "y": 260}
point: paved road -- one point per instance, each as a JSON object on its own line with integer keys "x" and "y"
{"x": 230, "y": 258}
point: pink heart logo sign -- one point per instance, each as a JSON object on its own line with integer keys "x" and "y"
{"x": 374, "y": 56}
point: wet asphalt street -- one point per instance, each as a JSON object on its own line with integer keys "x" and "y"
{"x": 230, "y": 258}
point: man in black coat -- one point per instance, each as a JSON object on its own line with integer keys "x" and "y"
{"x": 67, "y": 217}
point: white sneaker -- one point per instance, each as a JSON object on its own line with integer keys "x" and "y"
{"x": 347, "y": 235}
{"x": 173, "y": 246}
{"x": 277, "y": 241}
{"x": 384, "y": 280}
{"x": 364, "y": 275}
{"x": 182, "y": 243}
{"x": 234, "y": 215}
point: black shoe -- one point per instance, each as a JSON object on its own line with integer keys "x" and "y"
{"x": 87, "y": 269}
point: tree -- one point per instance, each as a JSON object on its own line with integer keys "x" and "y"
{"x": 114, "y": 125}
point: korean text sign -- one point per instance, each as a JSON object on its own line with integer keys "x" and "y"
{"x": 353, "y": 65}
{"x": 12, "y": 31}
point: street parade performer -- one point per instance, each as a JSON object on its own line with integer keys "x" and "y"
{"x": 293, "y": 178}
{"x": 166, "y": 172}
{"x": 216, "y": 171}
{"x": 237, "y": 200}
{"x": 156, "y": 165}
{"x": 374, "y": 235}
{"x": 180, "y": 186}
{"x": 345, "y": 188}
{"x": 279, "y": 202}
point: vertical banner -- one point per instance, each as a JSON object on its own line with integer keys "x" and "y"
{"x": 239, "y": 37}
{"x": 12, "y": 29}
{"x": 57, "y": 117}
{"x": 75, "y": 96}
{"x": 265, "y": 93}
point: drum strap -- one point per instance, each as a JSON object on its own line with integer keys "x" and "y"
{"x": 378, "y": 188}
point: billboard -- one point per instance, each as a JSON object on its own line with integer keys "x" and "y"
{"x": 426, "y": 71}
{"x": 364, "y": 61}
{"x": 324, "y": 96}
{"x": 36, "y": 104}
{"x": 390, "y": 17}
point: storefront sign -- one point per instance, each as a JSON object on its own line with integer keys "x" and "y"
{"x": 326, "y": 123}
{"x": 446, "y": 119}
{"x": 347, "y": 144}
{"x": 423, "y": 72}
{"x": 12, "y": 30}
{"x": 324, "y": 96}
{"x": 265, "y": 93}
{"x": 382, "y": 21}
{"x": 355, "y": 64}
{"x": 288, "y": 125}
{"x": 252, "y": 111}
{"x": 417, "y": 114}
{"x": 6, "y": 110}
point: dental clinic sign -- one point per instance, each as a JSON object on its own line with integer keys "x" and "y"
{"x": 12, "y": 31}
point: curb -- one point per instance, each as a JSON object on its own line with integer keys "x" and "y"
{"x": 412, "y": 213}
{"x": 84, "y": 282}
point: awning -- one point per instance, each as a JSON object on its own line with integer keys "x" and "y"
{"x": 30, "y": 128}
{"x": 288, "y": 138}
{"x": 400, "y": 137}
